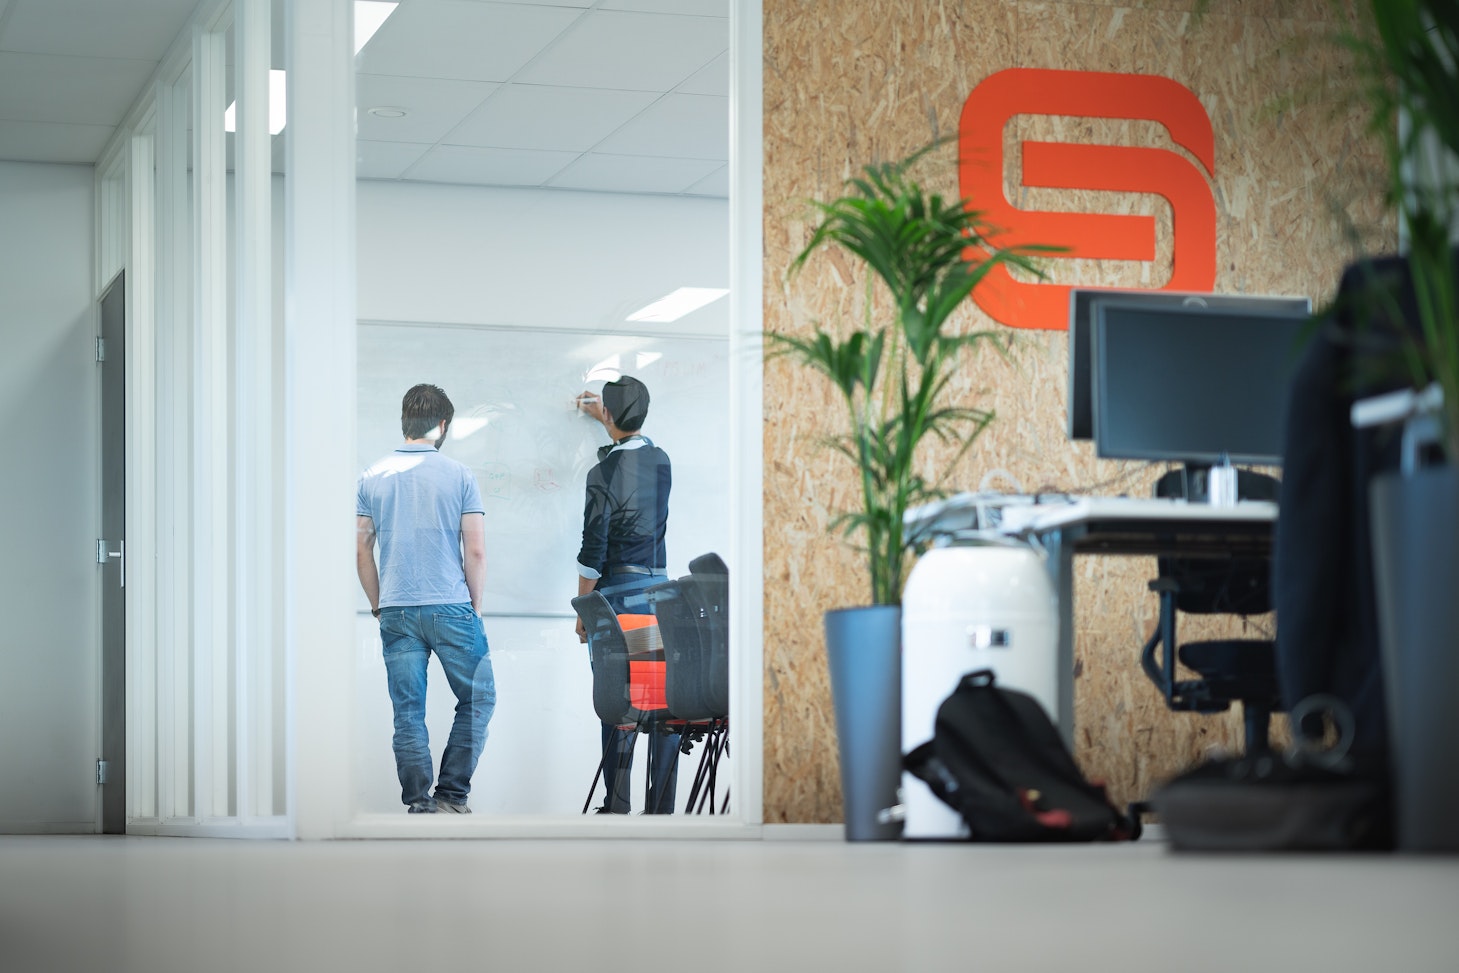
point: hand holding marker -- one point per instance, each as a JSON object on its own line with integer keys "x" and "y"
{"x": 590, "y": 405}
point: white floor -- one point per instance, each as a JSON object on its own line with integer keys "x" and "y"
{"x": 159, "y": 905}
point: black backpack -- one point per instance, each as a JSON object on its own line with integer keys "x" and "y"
{"x": 996, "y": 759}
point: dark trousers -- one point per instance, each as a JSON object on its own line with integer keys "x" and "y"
{"x": 663, "y": 775}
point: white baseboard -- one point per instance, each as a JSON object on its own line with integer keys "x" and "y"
{"x": 803, "y": 832}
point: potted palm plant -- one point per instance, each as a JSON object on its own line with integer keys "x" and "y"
{"x": 893, "y": 373}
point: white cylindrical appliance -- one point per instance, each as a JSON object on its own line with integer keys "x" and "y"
{"x": 971, "y": 605}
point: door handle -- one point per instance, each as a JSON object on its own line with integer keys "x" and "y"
{"x": 103, "y": 555}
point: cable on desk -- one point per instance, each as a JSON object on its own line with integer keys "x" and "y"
{"x": 1095, "y": 489}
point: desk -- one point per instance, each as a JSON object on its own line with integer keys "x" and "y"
{"x": 1127, "y": 525}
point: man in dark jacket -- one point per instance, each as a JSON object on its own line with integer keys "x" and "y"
{"x": 624, "y": 522}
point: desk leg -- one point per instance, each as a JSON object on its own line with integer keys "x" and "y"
{"x": 1060, "y": 567}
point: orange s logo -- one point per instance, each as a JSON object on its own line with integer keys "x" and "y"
{"x": 1066, "y": 165}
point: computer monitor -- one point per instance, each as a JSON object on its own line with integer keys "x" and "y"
{"x": 1081, "y": 317}
{"x": 1190, "y": 385}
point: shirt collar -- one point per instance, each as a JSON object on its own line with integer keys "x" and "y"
{"x": 634, "y": 441}
{"x": 415, "y": 448}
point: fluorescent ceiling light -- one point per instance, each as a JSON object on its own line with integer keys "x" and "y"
{"x": 278, "y": 106}
{"x": 679, "y": 303}
{"x": 370, "y": 15}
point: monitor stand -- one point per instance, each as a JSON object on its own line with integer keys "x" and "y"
{"x": 1221, "y": 484}
{"x": 1188, "y": 483}
{"x": 1192, "y": 482}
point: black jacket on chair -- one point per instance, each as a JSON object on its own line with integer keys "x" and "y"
{"x": 1322, "y": 572}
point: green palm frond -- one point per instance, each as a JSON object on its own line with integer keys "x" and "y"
{"x": 929, "y": 252}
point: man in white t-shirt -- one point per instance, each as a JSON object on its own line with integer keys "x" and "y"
{"x": 425, "y": 511}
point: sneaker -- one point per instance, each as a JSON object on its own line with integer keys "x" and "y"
{"x": 446, "y": 807}
{"x": 421, "y": 809}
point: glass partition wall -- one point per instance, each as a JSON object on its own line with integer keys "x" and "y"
{"x": 529, "y": 177}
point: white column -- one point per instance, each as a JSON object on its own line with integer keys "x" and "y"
{"x": 174, "y": 470}
{"x": 142, "y": 534}
{"x": 253, "y": 411}
{"x": 212, "y": 559}
{"x": 746, "y": 411}
{"x": 319, "y": 409}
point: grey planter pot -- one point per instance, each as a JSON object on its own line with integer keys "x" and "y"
{"x": 864, "y": 653}
{"x": 1416, "y": 573}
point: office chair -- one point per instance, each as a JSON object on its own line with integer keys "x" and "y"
{"x": 713, "y": 575}
{"x": 628, "y": 688}
{"x": 692, "y": 622}
{"x": 1231, "y": 670}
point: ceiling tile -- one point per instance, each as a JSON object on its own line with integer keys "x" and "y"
{"x": 469, "y": 40}
{"x": 386, "y": 160}
{"x": 76, "y": 90}
{"x": 703, "y": 8}
{"x": 714, "y": 184}
{"x": 630, "y": 51}
{"x": 679, "y": 126}
{"x": 543, "y": 117}
{"x": 434, "y": 106}
{"x": 141, "y": 29}
{"x": 632, "y": 174}
{"x": 712, "y": 79}
{"x": 50, "y": 142}
{"x": 489, "y": 167}
{"x": 500, "y": 92}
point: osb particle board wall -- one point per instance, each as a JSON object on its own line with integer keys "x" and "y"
{"x": 852, "y": 83}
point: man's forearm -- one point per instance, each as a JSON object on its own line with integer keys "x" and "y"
{"x": 369, "y": 574}
{"x": 475, "y": 568}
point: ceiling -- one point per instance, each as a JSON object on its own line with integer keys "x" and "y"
{"x": 600, "y": 95}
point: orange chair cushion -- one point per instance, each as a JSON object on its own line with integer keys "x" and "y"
{"x": 630, "y": 622}
{"x": 641, "y": 633}
{"x": 646, "y": 685}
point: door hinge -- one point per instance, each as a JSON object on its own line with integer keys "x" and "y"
{"x": 103, "y": 555}
{"x": 101, "y": 349}
{"x": 101, "y": 769}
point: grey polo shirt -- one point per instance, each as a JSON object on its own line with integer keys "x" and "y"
{"x": 416, "y": 498}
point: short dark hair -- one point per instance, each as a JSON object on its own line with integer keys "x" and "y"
{"x": 627, "y": 402}
{"x": 422, "y": 409}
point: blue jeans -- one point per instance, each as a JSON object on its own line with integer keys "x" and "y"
{"x": 624, "y": 593}
{"x": 453, "y": 632}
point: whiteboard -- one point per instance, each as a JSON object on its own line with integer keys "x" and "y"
{"x": 518, "y": 431}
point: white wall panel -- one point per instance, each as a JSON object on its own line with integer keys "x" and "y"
{"x": 49, "y": 496}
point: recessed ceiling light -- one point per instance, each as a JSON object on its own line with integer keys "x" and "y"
{"x": 674, "y": 306}
{"x": 385, "y": 111}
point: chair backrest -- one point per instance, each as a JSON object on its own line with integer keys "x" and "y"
{"x": 609, "y": 651}
{"x": 1211, "y": 586}
{"x": 685, "y": 653}
{"x": 713, "y": 576}
{"x": 710, "y": 563}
